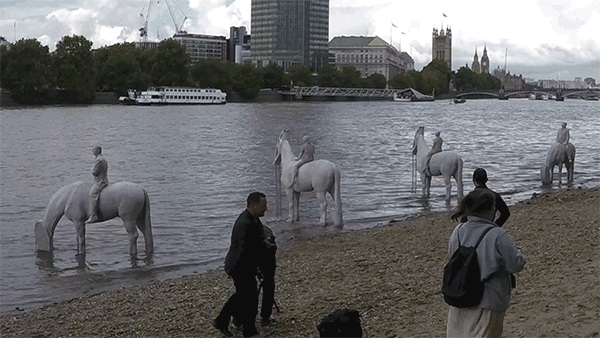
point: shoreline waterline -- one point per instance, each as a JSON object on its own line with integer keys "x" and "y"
{"x": 389, "y": 273}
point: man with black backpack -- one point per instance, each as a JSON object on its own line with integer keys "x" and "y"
{"x": 477, "y": 283}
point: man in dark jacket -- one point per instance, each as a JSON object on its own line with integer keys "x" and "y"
{"x": 479, "y": 180}
{"x": 247, "y": 247}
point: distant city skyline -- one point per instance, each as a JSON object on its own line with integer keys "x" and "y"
{"x": 546, "y": 39}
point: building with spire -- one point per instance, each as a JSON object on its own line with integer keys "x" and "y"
{"x": 441, "y": 45}
{"x": 485, "y": 61}
{"x": 475, "y": 67}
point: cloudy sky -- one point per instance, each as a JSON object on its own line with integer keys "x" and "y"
{"x": 544, "y": 38}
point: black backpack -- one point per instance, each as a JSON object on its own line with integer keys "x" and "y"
{"x": 341, "y": 323}
{"x": 462, "y": 286}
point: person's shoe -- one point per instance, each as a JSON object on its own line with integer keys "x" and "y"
{"x": 92, "y": 219}
{"x": 268, "y": 322}
{"x": 254, "y": 333}
{"x": 223, "y": 329}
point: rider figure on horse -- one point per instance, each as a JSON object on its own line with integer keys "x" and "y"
{"x": 435, "y": 148}
{"x": 100, "y": 173}
{"x": 307, "y": 155}
{"x": 563, "y": 136}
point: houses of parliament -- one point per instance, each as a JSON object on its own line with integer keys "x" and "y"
{"x": 442, "y": 49}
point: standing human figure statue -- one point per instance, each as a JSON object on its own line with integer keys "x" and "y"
{"x": 306, "y": 155}
{"x": 435, "y": 148}
{"x": 248, "y": 245}
{"x": 100, "y": 173}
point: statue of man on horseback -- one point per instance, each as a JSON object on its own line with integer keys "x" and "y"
{"x": 100, "y": 173}
{"x": 563, "y": 136}
{"x": 306, "y": 155}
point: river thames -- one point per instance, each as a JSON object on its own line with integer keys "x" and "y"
{"x": 198, "y": 164}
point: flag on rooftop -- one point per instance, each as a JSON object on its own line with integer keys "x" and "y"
{"x": 445, "y": 16}
{"x": 394, "y": 25}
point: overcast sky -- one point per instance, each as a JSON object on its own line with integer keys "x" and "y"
{"x": 545, "y": 38}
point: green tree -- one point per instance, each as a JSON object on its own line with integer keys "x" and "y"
{"x": 350, "y": 78}
{"x": 435, "y": 76}
{"x": 301, "y": 75}
{"x": 75, "y": 69}
{"x": 29, "y": 72}
{"x": 248, "y": 81}
{"x": 273, "y": 76}
{"x": 405, "y": 80}
{"x": 375, "y": 81}
{"x": 170, "y": 65}
{"x": 3, "y": 63}
{"x": 118, "y": 68}
{"x": 213, "y": 73}
{"x": 328, "y": 76}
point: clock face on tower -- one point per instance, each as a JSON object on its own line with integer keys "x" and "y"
{"x": 484, "y": 63}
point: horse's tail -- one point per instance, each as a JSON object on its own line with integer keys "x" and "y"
{"x": 337, "y": 215}
{"x": 459, "y": 179}
{"x": 148, "y": 239}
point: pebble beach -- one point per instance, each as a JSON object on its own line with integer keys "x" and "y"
{"x": 391, "y": 274}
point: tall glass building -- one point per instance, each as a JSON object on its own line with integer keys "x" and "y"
{"x": 289, "y": 32}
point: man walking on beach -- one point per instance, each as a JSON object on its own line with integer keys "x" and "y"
{"x": 247, "y": 246}
{"x": 480, "y": 179}
{"x": 100, "y": 173}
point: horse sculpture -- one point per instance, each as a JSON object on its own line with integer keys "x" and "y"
{"x": 126, "y": 200}
{"x": 558, "y": 154}
{"x": 446, "y": 163}
{"x": 322, "y": 176}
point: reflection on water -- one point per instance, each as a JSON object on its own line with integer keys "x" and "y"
{"x": 198, "y": 164}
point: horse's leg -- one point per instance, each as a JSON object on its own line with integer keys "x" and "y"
{"x": 296, "y": 206}
{"x": 428, "y": 185}
{"x": 323, "y": 207}
{"x": 448, "y": 184}
{"x": 289, "y": 193}
{"x": 424, "y": 184}
{"x": 131, "y": 229}
{"x": 560, "y": 174}
{"x": 80, "y": 229}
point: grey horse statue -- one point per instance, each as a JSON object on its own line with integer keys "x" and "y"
{"x": 322, "y": 176}
{"x": 126, "y": 200}
{"x": 558, "y": 154}
{"x": 446, "y": 163}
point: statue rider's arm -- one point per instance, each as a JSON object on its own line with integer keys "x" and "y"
{"x": 97, "y": 168}
{"x": 301, "y": 153}
{"x": 568, "y": 136}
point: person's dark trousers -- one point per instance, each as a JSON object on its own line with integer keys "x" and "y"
{"x": 268, "y": 290}
{"x": 243, "y": 303}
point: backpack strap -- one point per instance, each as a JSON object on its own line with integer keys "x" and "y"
{"x": 483, "y": 235}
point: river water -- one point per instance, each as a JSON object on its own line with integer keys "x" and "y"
{"x": 198, "y": 164}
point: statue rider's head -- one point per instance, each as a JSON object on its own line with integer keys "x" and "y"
{"x": 437, "y": 134}
{"x": 305, "y": 139}
{"x": 564, "y": 124}
{"x": 97, "y": 150}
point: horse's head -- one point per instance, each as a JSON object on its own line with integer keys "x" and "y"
{"x": 545, "y": 175}
{"x": 283, "y": 136}
{"x": 420, "y": 131}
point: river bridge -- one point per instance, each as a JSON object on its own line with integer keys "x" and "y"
{"x": 335, "y": 93}
{"x": 560, "y": 94}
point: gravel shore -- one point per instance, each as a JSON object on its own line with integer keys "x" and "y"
{"x": 390, "y": 274}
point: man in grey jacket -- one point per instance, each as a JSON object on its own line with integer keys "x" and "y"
{"x": 498, "y": 257}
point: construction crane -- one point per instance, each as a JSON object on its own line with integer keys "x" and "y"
{"x": 178, "y": 28}
{"x": 144, "y": 22}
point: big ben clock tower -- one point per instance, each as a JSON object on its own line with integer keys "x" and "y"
{"x": 485, "y": 62}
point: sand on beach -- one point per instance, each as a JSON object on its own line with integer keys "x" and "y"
{"x": 390, "y": 274}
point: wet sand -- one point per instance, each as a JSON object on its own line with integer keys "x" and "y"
{"x": 391, "y": 274}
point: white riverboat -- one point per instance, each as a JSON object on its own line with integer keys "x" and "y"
{"x": 174, "y": 95}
